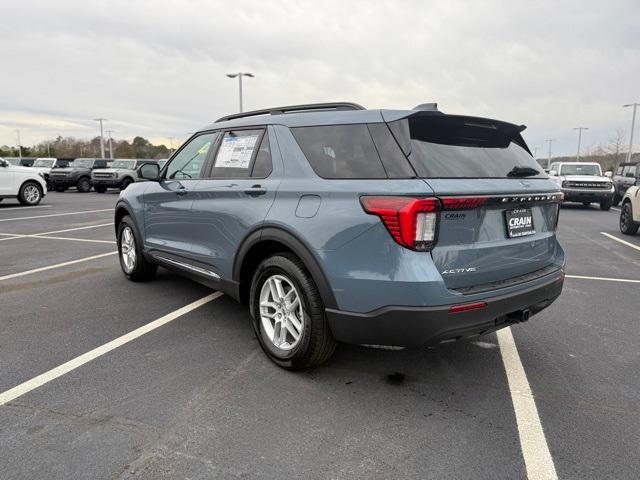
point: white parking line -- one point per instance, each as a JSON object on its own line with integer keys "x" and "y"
{"x": 57, "y": 265}
{"x": 90, "y": 240}
{"x": 18, "y": 235}
{"x": 605, "y": 279}
{"x": 537, "y": 457}
{"x": 56, "y": 215}
{"x": 77, "y": 362}
{"x": 619, "y": 240}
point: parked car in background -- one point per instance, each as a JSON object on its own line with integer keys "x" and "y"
{"x": 335, "y": 223}
{"x": 44, "y": 166}
{"x": 630, "y": 208}
{"x": 583, "y": 182}
{"x": 121, "y": 174}
{"x": 23, "y": 183}
{"x": 77, "y": 174}
{"x": 23, "y": 162}
{"x": 623, "y": 178}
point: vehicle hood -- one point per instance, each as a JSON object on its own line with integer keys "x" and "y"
{"x": 20, "y": 168}
{"x": 42, "y": 169}
{"x": 585, "y": 178}
{"x": 112, "y": 170}
{"x": 71, "y": 170}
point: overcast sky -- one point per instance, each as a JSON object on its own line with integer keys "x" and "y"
{"x": 157, "y": 68}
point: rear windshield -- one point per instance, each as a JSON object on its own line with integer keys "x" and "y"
{"x": 579, "y": 169}
{"x": 462, "y": 147}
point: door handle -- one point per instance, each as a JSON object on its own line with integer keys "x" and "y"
{"x": 181, "y": 190}
{"x": 255, "y": 190}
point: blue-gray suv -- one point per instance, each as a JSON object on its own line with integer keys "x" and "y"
{"x": 334, "y": 223}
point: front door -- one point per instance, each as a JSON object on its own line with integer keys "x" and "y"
{"x": 168, "y": 218}
{"x": 234, "y": 197}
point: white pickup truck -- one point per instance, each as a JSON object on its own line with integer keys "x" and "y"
{"x": 23, "y": 183}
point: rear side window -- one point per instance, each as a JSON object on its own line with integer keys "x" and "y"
{"x": 463, "y": 147}
{"x": 340, "y": 151}
{"x": 630, "y": 171}
{"x": 262, "y": 164}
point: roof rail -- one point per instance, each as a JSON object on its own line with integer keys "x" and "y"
{"x": 312, "y": 107}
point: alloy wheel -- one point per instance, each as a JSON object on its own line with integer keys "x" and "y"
{"x": 281, "y": 312}
{"x": 31, "y": 193}
{"x": 128, "y": 249}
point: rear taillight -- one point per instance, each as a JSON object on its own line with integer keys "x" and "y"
{"x": 462, "y": 203}
{"x": 412, "y": 222}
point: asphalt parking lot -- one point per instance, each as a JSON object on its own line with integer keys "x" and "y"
{"x": 196, "y": 398}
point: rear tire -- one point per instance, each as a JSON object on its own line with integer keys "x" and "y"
{"x": 132, "y": 261}
{"x": 586, "y": 204}
{"x": 61, "y": 189}
{"x": 605, "y": 204}
{"x": 84, "y": 185}
{"x": 30, "y": 194}
{"x": 627, "y": 225}
{"x": 616, "y": 199}
{"x": 314, "y": 343}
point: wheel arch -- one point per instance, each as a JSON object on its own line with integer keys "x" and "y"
{"x": 268, "y": 240}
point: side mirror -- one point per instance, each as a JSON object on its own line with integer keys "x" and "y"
{"x": 553, "y": 173}
{"x": 149, "y": 171}
{"x": 608, "y": 174}
{"x": 4, "y": 163}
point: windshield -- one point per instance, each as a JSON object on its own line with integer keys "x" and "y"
{"x": 82, "y": 163}
{"x": 43, "y": 163}
{"x": 580, "y": 169}
{"x": 126, "y": 164}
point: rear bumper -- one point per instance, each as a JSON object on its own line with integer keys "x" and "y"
{"x": 420, "y": 326}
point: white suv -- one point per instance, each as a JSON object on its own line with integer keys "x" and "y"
{"x": 583, "y": 182}
{"x": 23, "y": 183}
{"x": 630, "y": 211}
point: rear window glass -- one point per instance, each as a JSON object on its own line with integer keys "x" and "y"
{"x": 340, "y": 151}
{"x": 461, "y": 147}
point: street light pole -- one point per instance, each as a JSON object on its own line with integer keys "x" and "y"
{"x": 171, "y": 145}
{"x": 109, "y": 132}
{"x": 633, "y": 126}
{"x": 550, "y": 141}
{"x": 19, "y": 146}
{"x": 101, "y": 136}
{"x": 580, "y": 129}
{"x": 240, "y": 75}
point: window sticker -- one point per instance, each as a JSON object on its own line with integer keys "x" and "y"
{"x": 236, "y": 151}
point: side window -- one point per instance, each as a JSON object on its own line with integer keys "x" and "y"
{"x": 235, "y": 154}
{"x": 625, "y": 171}
{"x": 262, "y": 164}
{"x": 189, "y": 161}
{"x": 340, "y": 151}
{"x": 394, "y": 161}
{"x": 632, "y": 171}
{"x": 619, "y": 170}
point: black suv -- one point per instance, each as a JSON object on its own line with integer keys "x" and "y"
{"x": 623, "y": 178}
{"x": 78, "y": 174}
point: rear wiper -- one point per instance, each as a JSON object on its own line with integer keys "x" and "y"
{"x": 522, "y": 172}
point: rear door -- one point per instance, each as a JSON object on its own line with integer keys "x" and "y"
{"x": 499, "y": 208}
{"x": 234, "y": 197}
{"x": 168, "y": 219}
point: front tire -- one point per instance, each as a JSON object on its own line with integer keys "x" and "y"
{"x": 288, "y": 314}
{"x": 30, "y": 194}
{"x": 132, "y": 261}
{"x": 586, "y": 204}
{"x": 84, "y": 185}
{"x": 100, "y": 188}
{"x": 125, "y": 183}
{"x": 627, "y": 225}
{"x": 605, "y": 204}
